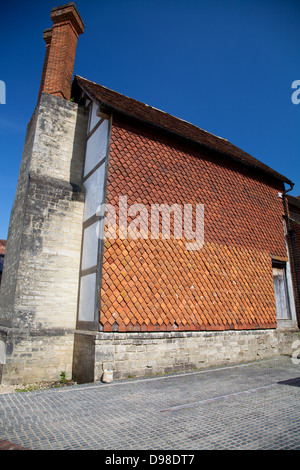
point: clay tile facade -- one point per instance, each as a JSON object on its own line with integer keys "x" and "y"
{"x": 157, "y": 285}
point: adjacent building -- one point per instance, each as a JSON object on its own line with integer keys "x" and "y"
{"x": 191, "y": 266}
{"x": 293, "y": 237}
{"x": 2, "y": 254}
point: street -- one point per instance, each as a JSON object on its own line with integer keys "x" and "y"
{"x": 251, "y": 406}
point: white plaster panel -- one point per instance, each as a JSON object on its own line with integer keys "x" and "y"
{"x": 94, "y": 187}
{"x": 94, "y": 118}
{"x": 96, "y": 147}
{"x": 87, "y": 298}
{"x": 90, "y": 247}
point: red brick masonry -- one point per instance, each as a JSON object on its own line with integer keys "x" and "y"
{"x": 61, "y": 43}
{"x": 157, "y": 285}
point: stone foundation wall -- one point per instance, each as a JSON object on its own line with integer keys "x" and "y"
{"x": 35, "y": 356}
{"x": 140, "y": 354}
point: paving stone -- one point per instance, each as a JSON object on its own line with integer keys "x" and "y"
{"x": 248, "y": 406}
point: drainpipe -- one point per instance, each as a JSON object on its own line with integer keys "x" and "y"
{"x": 291, "y": 233}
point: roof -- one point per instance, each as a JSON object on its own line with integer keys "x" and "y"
{"x": 117, "y": 102}
{"x": 2, "y": 247}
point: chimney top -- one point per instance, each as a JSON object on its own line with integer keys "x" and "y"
{"x": 48, "y": 35}
{"x": 68, "y": 12}
{"x": 61, "y": 43}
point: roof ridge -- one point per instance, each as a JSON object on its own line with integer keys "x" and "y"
{"x": 152, "y": 107}
{"x": 137, "y": 109}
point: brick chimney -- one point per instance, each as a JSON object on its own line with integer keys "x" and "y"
{"x": 61, "y": 43}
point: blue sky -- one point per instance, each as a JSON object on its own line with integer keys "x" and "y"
{"x": 226, "y": 66}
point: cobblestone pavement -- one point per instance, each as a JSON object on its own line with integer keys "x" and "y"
{"x": 247, "y": 406}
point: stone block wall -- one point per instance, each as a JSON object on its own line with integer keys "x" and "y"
{"x": 35, "y": 356}
{"x": 40, "y": 281}
{"x": 148, "y": 353}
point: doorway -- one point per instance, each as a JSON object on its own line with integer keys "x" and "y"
{"x": 281, "y": 291}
